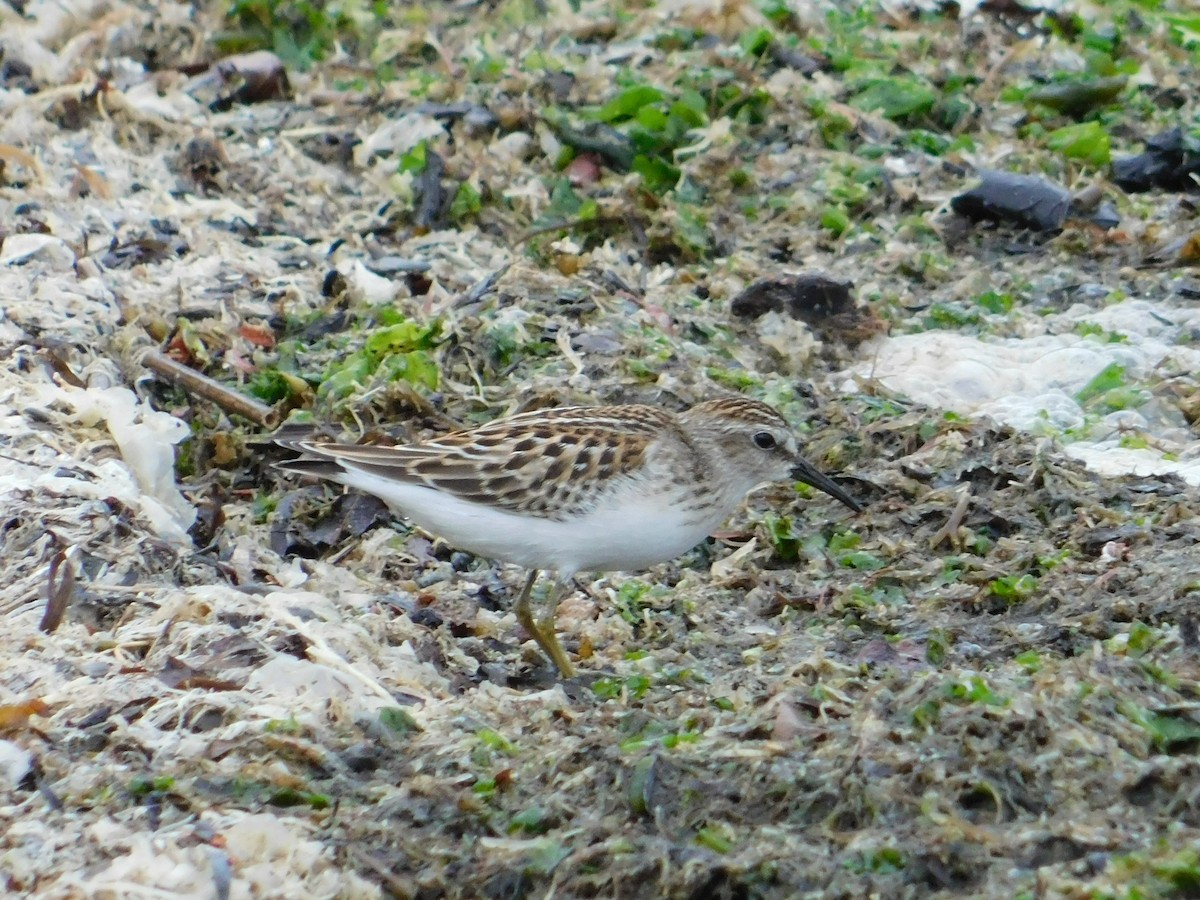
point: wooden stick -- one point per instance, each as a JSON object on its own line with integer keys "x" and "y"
{"x": 202, "y": 386}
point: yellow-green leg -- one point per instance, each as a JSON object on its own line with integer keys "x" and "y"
{"x": 543, "y": 631}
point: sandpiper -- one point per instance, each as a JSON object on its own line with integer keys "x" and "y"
{"x": 577, "y": 489}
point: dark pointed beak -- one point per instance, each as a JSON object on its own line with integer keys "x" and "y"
{"x": 805, "y": 471}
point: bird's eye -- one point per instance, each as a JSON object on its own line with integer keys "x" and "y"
{"x": 764, "y": 440}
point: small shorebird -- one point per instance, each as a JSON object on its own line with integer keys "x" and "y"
{"x": 577, "y": 489}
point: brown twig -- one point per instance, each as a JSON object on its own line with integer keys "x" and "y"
{"x": 203, "y": 386}
{"x": 60, "y": 584}
{"x": 949, "y": 531}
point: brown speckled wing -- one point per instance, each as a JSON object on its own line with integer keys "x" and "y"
{"x": 547, "y": 463}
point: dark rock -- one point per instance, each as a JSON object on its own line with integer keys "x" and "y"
{"x": 1024, "y": 200}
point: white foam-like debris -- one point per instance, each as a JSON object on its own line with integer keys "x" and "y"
{"x": 271, "y": 856}
{"x": 1111, "y": 459}
{"x": 367, "y": 286}
{"x": 15, "y": 763}
{"x": 398, "y": 136}
{"x": 1032, "y": 383}
{"x": 21, "y": 248}
{"x": 146, "y": 439}
{"x": 146, "y": 98}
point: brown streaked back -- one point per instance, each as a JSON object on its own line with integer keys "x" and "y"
{"x": 547, "y": 463}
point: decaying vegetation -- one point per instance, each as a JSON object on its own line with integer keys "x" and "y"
{"x": 388, "y": 220}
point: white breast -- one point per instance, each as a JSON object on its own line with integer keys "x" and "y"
{"x": 632, "y": 531}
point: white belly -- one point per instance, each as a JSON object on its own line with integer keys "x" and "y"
{"x": 633, "y": 533}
